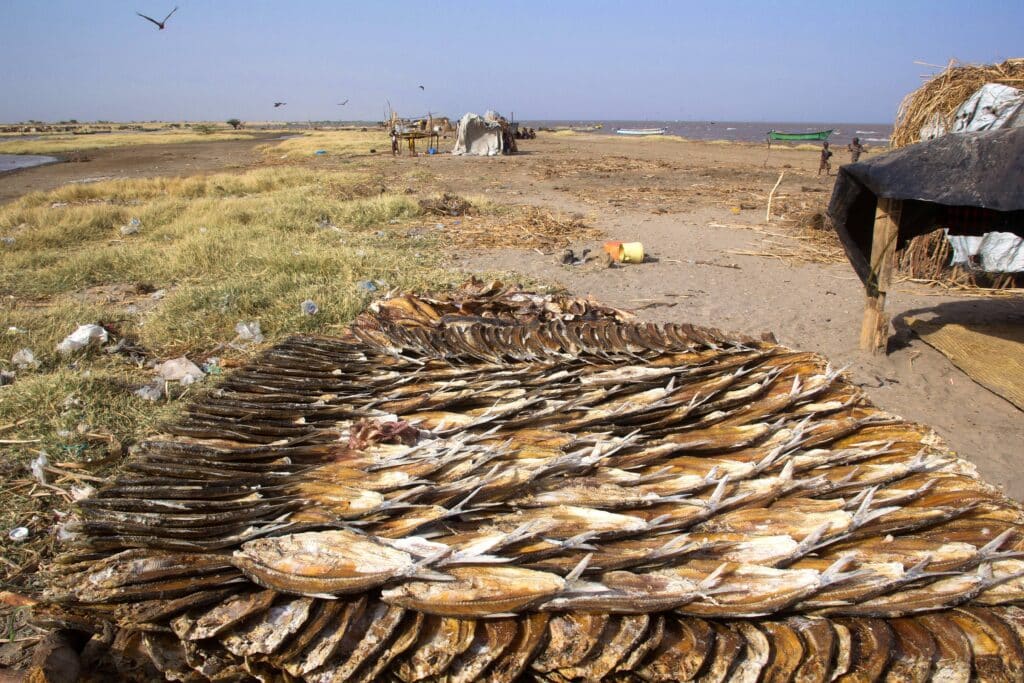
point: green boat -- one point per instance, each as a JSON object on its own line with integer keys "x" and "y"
{"x": 776, "y": 136}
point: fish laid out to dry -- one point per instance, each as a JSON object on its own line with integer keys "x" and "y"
{"x": 498, "y": 485}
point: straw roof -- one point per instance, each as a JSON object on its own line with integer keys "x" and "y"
{"x": 943, "y": 94}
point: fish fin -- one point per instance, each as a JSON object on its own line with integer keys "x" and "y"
{"x": 990, "y": 550}
{"x": 578, "y": 570}
{"x": 810, "y": 542}
{"x": 711, "y": 581}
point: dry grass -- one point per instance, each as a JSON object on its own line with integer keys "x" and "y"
{"x": 521, "y": 227}
{"x": 61, "y": 144}
{"x": 333, "y": 142}
{"x": 224, "y": 248}
{"x": 940, "y": 96}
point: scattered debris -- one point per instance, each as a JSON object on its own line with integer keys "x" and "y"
{"x": 180, "y": 370}
{"x": 446, "y": 205}
{"x": 24, "y": 358}
{"x": 249, "y": 332}
{"x": 158, "y": 294}
{"x": 84, "y": 336}
{"x": 569, "y": 258}
{"x": 152, "y": 392}
{"x": 212, "y": 366}
{"x": 309, "y": 307}
{"x": 133, "y": 227}
{"x": 18, "y": 534}
{"x": 38, "y": 467}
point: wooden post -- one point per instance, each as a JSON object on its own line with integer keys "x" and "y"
{"x": 874, "y": 330}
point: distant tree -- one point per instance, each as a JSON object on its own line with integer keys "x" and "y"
{"x": 74, "y": 121}
{"x": 234, "y": 123}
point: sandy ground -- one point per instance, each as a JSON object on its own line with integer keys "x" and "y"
{"x": 692, "y": 205}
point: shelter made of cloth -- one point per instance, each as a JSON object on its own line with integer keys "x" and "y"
{"x": 478, "y": 137}
{"x": 968, "y": 183}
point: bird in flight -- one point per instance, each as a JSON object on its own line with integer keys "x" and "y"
{"x": 279, "y": 104}
{"x": 159, "y": 24}
{"x": 422, "y": 88}
{"x": 342, "y": 104}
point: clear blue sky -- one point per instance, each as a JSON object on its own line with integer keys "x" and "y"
{"x": 714, "y": 60}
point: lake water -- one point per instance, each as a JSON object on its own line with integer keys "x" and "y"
{"x": 13, "y": 162}
{"x": 872, "y": 134}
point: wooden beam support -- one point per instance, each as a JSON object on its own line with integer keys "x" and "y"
{"x": 874, "y": 330}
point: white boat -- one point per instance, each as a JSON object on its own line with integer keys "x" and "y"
{"x": 641, "y": 131}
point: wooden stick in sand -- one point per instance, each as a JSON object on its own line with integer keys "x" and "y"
{"x": 771, "y": 195}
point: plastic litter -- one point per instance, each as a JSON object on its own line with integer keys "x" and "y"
{"x": 18, "y": 534}
{"x": 158, "y": 294}
{"x": 24, "y": 358}
{"x": 133, "y": 227}
{"x": 6, "y": 378}
{"x": 38, "y": 467}
{"x": 309, "y": 307}
{"x": 151, "y": 392}
{"x": 320, "y": 152}
{"x": 249, "y": 331}
{"x": 7, "y": 241}
{"x": 212, "y": 366}
{"x": 366, "y": 285}
{"x": 180, "y": 370}
{"x": 85, "y": 335}
{"x": 82, "y": 492}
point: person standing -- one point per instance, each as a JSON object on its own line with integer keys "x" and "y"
{"x": 855, "y": 150}
{"x": 825, "y": 164}
{"x": 394, "y": 141}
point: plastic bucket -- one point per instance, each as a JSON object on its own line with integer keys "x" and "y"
{"x": 614, "y": 249}
{"x": 632, "y": 252}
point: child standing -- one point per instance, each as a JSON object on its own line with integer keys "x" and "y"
{"x": 826, "y": 154}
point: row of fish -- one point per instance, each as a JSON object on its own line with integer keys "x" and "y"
{"x": 510, "y": 466}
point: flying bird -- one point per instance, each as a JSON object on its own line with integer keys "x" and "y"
{"x": 159, "y": 24}
{"x": 422, "y": 88}
{"x": 342, "y": 104}
{"x": 279, "y": 104}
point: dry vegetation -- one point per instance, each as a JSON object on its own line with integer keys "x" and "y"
{"x": 940, "y": 97}
{"x": 224, "y": 249}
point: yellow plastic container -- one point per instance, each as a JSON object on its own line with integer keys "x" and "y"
{"x": 631, "y": 252}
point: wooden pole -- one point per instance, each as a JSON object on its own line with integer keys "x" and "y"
{"x": 771, "y": 195}
{"x": 874, "y": 330}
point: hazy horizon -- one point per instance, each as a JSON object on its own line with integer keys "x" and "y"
{"x": 741, "y": 61}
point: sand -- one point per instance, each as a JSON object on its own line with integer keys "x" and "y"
{"x": 680, "y": 200}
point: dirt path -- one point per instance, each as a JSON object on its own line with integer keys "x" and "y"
{"x": 143, "y": 161}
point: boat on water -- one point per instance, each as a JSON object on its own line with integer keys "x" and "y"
{"x": 641, "y": 131}
{"x": 778, "y": 136}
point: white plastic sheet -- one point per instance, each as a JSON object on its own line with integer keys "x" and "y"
{"x": 994, "y": 252}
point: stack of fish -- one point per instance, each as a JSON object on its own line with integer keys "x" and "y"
{"x": 498, "y": 485}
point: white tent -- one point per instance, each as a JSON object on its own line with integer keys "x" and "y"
{"x": 477, "y": 136}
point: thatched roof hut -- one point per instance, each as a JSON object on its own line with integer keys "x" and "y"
{"x": 937, "y": 101}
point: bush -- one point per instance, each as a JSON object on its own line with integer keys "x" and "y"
{"x": 203, "y": 128}
{"x": 234, "y": 123}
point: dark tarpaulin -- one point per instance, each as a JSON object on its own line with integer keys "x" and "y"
{"x": 970, "y": 183}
